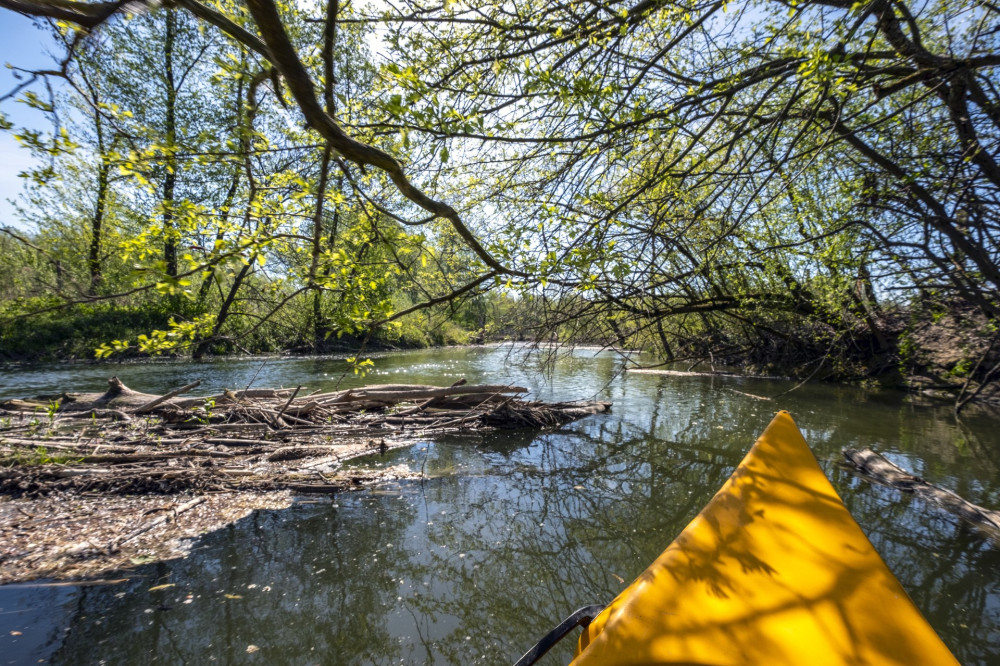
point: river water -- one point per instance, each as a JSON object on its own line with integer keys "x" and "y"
{"x": 509, "y": 532}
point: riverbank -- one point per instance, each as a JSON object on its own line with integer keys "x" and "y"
{"x": 940, "y": 351}
{"x": 73, "y": 332}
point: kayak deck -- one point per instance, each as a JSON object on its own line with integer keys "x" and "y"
{"x": 774, "y": 570}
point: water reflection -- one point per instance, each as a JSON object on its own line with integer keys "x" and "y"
{"x": 512, "y": 531}
{"x": 278, "y": 587}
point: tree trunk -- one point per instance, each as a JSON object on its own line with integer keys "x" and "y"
{"x": 319, "y": 324}
{"x": 103, "y": 172}
{"x": 241, "y": 133}
{"x": 170, "y": 181}
{"x": 220, "y": 319}
{"x": 321, "y": 327}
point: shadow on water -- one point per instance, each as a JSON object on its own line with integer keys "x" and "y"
{"x": 512, "y": 531}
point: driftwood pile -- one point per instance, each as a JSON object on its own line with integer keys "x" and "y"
{"x": 125, "y": 442}
{"x": 876, "y": 467}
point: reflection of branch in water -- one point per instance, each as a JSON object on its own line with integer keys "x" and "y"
{"x": 419, "y": 625}
{"x": 983, "y": 452}
{"x": 314, "y": 585}
{"x": 572, "y": 535}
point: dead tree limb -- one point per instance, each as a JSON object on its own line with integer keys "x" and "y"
{"x": 277, "y": 419}
{"x": 875, "y": 467}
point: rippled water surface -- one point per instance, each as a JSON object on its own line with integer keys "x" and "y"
{"x": 510, "y": 531}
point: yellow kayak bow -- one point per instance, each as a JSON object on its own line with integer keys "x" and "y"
{"x": 774, "y": 571}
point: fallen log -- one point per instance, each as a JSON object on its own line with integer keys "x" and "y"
{"x": 318, "y": 488}
{"x": 302, "y": 410}
{"x": 32, "y": 443}
{"x": 875, "y": 467}
{"x": 113, "y": 414}
{"x": 30, "y": 446}
{"x": 150, "y": 457}
{"x": 690, "y": 373}
{"x": 297, "y": 452}
{"x": 219, "y": 427}
{"x": 232, "y": 441}
{"x": 415, "y": 418}
{"x": 18, "y": 405}
{"x": 277, "y": 419}
{"x": 117, "y": 397}
{"x": 69, "y": 472}
{"x": 430, "y": 402}
{"x": 470, "y": 400}
{"x": 579, "y": 408}
{"x": 342, "y": 407}
{"x": 331, "y": 398}
{"x": 403, "y": 395}
{"x": 381, "y": 387}
{"x": 233, "y": 397}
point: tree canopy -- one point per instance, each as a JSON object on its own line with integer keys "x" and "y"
{"x": 711, "y": 176}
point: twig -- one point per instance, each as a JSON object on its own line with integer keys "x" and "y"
{"x": 749, "y": 395}
{"x": 254, "y": 378}
{"x": 277, "y": 419}
{"x": 822, "y": 362}
{"x": 225, "y": 441}
{"x": 959, "y": 403}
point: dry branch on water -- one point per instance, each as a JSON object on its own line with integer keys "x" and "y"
{"x": 124, "y": 441}
{"x": 127, "y": 448}
{"x": 876, "y": 467}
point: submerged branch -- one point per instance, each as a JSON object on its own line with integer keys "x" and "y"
{"x": 876, "y": 467}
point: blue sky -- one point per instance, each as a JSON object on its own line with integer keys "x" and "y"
{"x": 22, "y": 45}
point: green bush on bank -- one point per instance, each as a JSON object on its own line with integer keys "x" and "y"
{"x": 71, "y": 332}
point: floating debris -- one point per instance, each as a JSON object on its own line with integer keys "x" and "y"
{"x": 117, "y": 454}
